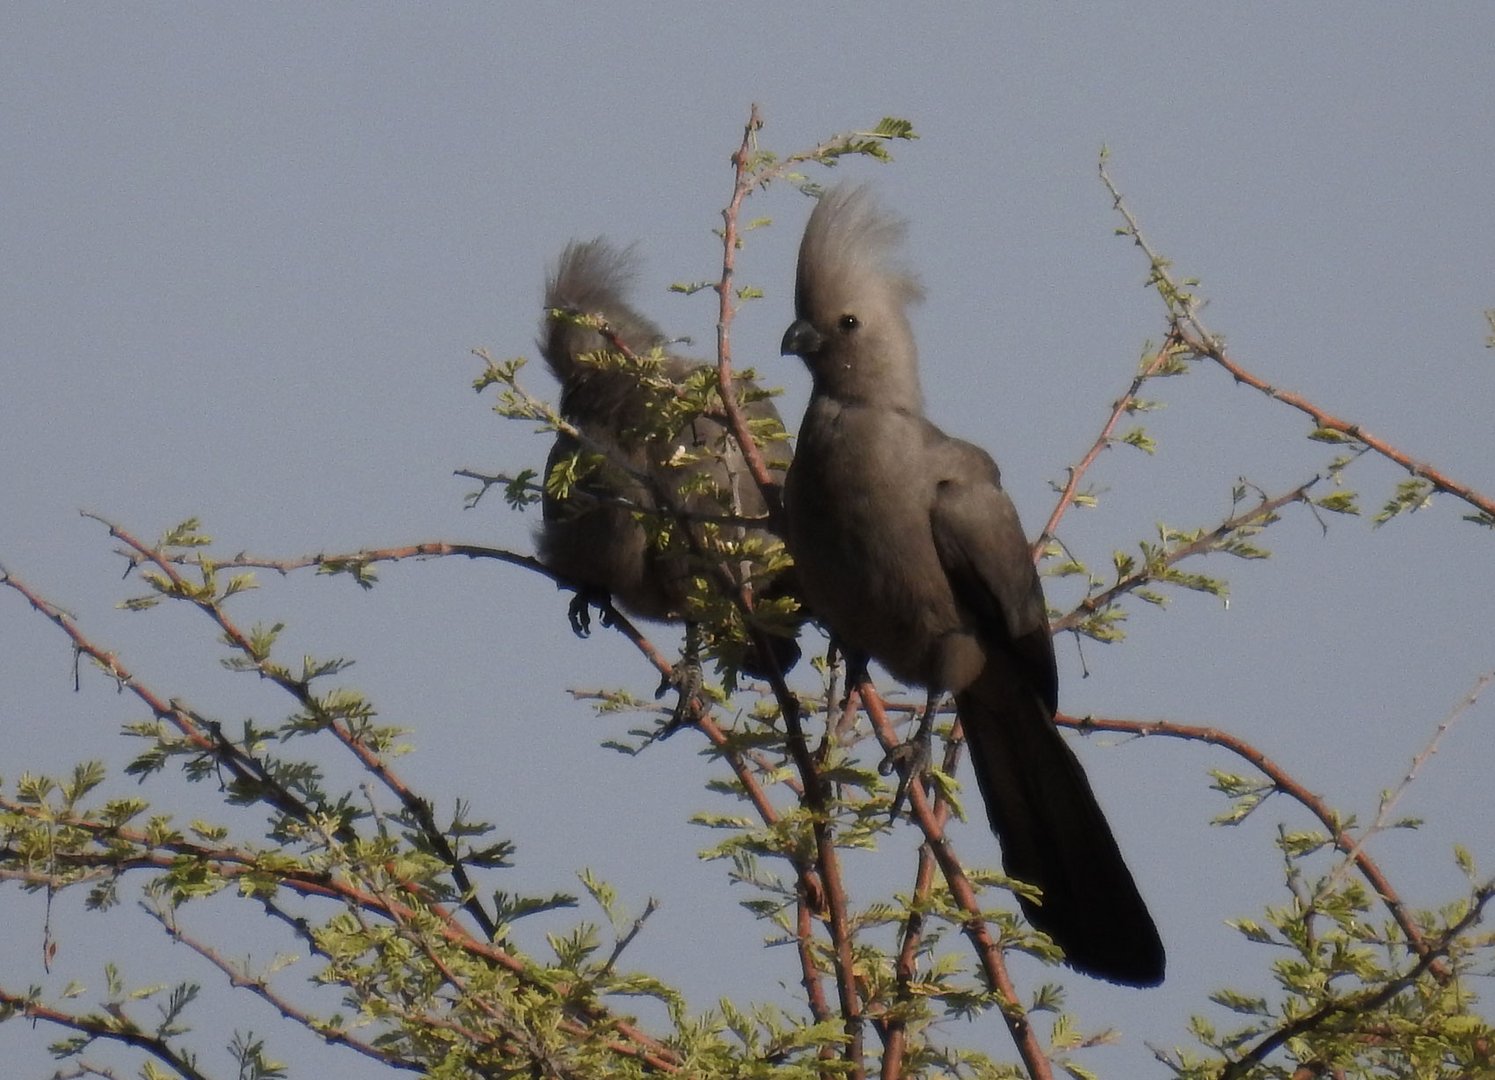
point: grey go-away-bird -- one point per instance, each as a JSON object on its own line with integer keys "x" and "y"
{"x": 596, "y": 535}
{"x": 911, "y": 553}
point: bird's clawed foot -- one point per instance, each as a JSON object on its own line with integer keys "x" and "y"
{"x": 579, "y": 613}
{"x": 686, "y": 679}
{"x": 911, "y": 759}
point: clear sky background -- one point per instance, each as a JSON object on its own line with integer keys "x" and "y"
{"x": 248, "y": 250}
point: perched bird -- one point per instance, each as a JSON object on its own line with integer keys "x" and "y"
{"x": 911, "y": 553}
{"x": 607, "y": 532}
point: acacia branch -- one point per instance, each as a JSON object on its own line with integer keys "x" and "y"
{"x": 1103, "y": 441}
{"x": 260, "y": 987}
{"x": 231, "y": 864}
{"x": 1285, "y": 783}
{"x": 809, "y": 967}
{"x": 1202, "y": 343}
{"x": 828, "y": 861}
{"x": 541, "y": 1060}
{"x": 599, "y": 499}
{"x": 699, "y": 714}
{"x": 1183, "y": 311}
{"x": 244, "y": 768}
{"x": 336, "y": 562}
{"x": 118, "y": 1029}
{"x": 988, "y": 952}
{"x": 1391, "y": 798}
{"x": 896, "y": 1036}
{"x": 1260, "y": 514}
{"x": 300, "y": 690}
{"x": 742, "y": 184}
{"x": 1366, "y": 1001}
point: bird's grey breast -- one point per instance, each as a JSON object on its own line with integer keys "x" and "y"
{"x": 858, "y": 499}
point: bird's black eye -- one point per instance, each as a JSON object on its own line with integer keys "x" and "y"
{"x": 848, "y": 322}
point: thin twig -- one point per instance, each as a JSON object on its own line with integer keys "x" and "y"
{"x": 299, "y": 689}
{"x": 988, "y": 952}
{"x": 1391, "y": 798}
{"x": 1119, "y": 408}
{"x": 261, "y": 988}
{"x": 1356, "y": 1004}
{"x": 1260, "y": 513}
{"x": 1287, "y": 785}
{"x": 1183, "y": 312}
{"x": 232, "y": 864}
{"x": 120, "y": 1029}
{"x": 742, "y": 183}
{"x": 241, "y": 765}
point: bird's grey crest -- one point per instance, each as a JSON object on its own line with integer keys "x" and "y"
{"x": 590, "y": 277}
{"x": 849, "y": 239}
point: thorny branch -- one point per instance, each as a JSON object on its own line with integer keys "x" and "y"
{"x": 261, "y": 988}
{"x": 230, "y": 863}
{"x": 742, "y": 184}
{"x": 1161, "y": 359}
{"x": 1190, "y": 332}
{"x": 242, "y": 766}
{"x": 896, "y": 1037}
{"x": 118, "y": 1028}
{"x": 1366, "y": 1001}
{"x": 988, "y": 952}
{"x": 1260, "y": 514}
{"x": 1391, "y": 798}
{"x": 300, "y": 690}
{"x": 1284, "y": 782}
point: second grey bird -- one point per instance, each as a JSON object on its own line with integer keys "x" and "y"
{"x": 907, "y": 547}
{"x": 597, "y": 536}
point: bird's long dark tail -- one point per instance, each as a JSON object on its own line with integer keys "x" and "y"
{"x": 1053, "y": 833}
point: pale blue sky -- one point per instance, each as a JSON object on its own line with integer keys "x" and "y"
{"x": 248, "y": 250}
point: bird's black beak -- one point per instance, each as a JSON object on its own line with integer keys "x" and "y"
{"x": 801, "y": 339}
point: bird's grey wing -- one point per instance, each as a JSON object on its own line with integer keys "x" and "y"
{"x": 986, "y": 557}
{"x": 1053, "y": 832}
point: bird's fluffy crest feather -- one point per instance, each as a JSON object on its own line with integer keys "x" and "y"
{"x": 849, "y": 237}
{"x": 593, "y": 277}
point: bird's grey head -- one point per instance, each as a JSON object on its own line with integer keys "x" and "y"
{"x": 592, "y": 277}
{"x": 851, "y": 298}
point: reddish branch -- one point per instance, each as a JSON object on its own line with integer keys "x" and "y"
{"x": 231, "y": 864}
{"x": 811, "y": 881}
{"x": 828, "y": 860}
{"x": 804, "y": 942}
{"x": 300, "y": 690}
{"x": 1119, "y": 408}
{"x": 121, "y": 1030}
{"x": 1282, "y": 781}
{"x": 810, "y": 890}
{"x": 1201, "y": 342}
{"x": 261, "y": 988}
{"x": 244, "y": 768}
{"x": 896, "y": 1038}
{"x": 1256, "y": 515}
{"x": 1198, "y": 339}
{"x": 726, "y": 310}
{"x": 988, "y": 951}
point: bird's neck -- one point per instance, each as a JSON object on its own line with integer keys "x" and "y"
{"x": 871, "y": 384}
